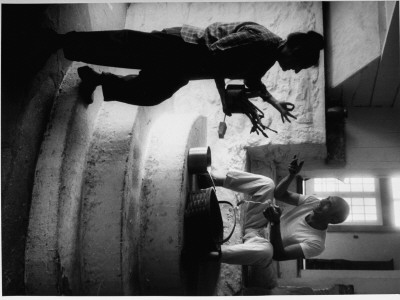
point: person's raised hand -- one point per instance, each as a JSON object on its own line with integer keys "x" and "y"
{"x": 273, "y": 213}
{"x": 295, "y": 166}
{"x": 285, "y": 108}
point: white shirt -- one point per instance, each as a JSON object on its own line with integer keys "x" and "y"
{"x": 295, "y": 229}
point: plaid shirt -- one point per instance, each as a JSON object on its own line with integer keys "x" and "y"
{"x": 257, "y": 54}
{"x": 222, "y": 36}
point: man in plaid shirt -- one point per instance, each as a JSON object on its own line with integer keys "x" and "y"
{"x": 170, "y": 58}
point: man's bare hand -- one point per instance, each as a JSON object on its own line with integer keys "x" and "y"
{"x": 285, "y": 108}
{"x": 273, "y": 213}
{"x": 295, "y": 166}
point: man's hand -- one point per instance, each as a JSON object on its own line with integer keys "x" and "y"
{"x": 294, "y": 166}
{"x": 273, "y": 213}
{"x": 285, "y": 108}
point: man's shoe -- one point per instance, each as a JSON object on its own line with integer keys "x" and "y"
{"x": 90, "y": 80}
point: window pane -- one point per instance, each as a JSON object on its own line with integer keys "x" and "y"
{"x": 370, "y": 210}
{"x": 318, "y": 187}
{"x": 396, "y": 198}
{"x": 356, "y": 187}
{"x": 369, "y": 180}
{"x": 396, "y": 188}
{"x": 357, "y": 209}
{"x": 369, "y": 217}
{"x": 355, "y": 180}
{"x": 369, "y": 187}
{"x": 397, "y": 213}
{"x": 357, "y": 201}
{"x": 370, "y": 201}
{"x": 331, "y": 187}
{"x": 343, "y": 187}
{"x": 358, "y": 217}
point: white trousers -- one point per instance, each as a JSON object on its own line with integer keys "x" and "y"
{"x": 256, "y": 250}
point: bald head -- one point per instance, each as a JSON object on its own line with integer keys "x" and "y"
{"x": 340, "y": 210}
{"x": 331, "y": 210}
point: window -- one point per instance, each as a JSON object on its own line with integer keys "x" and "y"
{"x": 396, "y": 200}
{"x": 362, "y": 195}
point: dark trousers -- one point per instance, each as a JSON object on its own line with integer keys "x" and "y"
{"x": 167, "y": 63}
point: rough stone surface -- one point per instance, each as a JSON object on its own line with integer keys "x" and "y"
{"x": 144, "y": 121}
{"x": 80, "y": 130}
{"x": 102, "y": 200}
{"x": 49, "y": 232}
{"x": 165, "y": 188}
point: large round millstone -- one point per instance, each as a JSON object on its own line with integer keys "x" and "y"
{"x": 165, "y": 189}
{"x": 109, "y": 196}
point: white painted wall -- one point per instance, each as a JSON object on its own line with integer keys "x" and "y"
{"x": 374, "y": 282}
{"x": 379, "y": 246}
{"x": 354, "y": 39}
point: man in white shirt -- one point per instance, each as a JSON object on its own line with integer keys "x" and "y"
{"x": 300, "y": 233}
